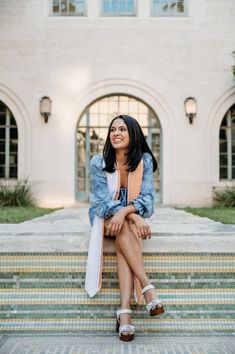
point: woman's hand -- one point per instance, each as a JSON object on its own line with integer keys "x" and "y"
{"x": 115, "y": 224}
{"x": 142, "y": 227}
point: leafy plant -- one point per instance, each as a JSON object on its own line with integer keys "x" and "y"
{"x": 19, "y": 194}
{"x": 225, "y": 198}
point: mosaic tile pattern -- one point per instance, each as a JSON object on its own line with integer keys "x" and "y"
{"x": 44, "y": 292}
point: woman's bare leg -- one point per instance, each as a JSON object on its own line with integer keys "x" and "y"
{"x": 130, "y": 247}
{"x": 131, "y": 250}
{"x": 125, "y": 276}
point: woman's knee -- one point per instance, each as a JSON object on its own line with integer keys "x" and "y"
{"x": 125, "y": 229}
{"x": 117, "y": 247}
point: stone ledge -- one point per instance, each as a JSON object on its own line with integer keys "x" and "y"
{"x": 79, "y": 243}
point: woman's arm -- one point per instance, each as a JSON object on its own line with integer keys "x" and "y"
{"x": 101, "y": 200}
{"x": 116, "y": 222}
{"x": 144, "y": 203}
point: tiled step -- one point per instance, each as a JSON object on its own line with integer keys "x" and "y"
{"x": 45, "y": 292}
{"x": 164, "y": 325}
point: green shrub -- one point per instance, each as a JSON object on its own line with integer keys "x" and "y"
{"x": 16, "y": 195}
{"x": 225, "y": 198}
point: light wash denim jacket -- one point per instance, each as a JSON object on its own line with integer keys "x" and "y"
{"x": 101, "y": 201}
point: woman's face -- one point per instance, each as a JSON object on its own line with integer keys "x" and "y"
{"x": 119, "y": 135}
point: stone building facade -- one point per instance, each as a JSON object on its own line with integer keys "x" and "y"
{"x": 96, "y": 59}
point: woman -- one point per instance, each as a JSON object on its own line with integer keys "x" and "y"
{"x": 122, "y": 197}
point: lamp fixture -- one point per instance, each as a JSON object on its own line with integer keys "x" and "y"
{"x": 45, "y": 107}
{"x": 190, "y": 106}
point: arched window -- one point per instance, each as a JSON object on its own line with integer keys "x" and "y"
{"x": 227, "y": 145}
{"x": 92, "y": 129}
{"x": 8, "y": 143}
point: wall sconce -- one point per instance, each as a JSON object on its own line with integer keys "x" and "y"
{"x": 45, "y": 108}
{"x": 190, "y": 106}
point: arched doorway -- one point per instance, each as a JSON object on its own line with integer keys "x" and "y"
{"x": 92, "y": 130}
{"x": 8, "y": 144}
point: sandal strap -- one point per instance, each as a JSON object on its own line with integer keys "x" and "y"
{"x": 152, "y": 304}
{"x": 121, "y": 311}
{"x": 126, "y": 328}
{"x": 147, "y": 287}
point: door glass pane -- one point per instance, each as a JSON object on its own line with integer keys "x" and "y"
{"x": 223, "y": 160}
{"x": 2, "y": 133}
{"x": 13, "y": 146}
{"x": 12, "y": 121}
{"x": 2, "y": 146}
{"x": 2, "y": 171}
{"x": 233, "y": 160}
{"x": 81, "y": 156}
{"x": 2, "y": 159}
{"x": 223, "y": 173}
{"x": 13, "y": 171}
{"x": 2, "y": 119}
{"x": 13, "y": 133}
{"x": 233, "y": 139}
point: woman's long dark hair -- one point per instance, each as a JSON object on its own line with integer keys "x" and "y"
{"x": 138, "y": 146}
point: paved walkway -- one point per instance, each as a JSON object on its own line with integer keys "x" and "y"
{"x": 68, "y": 230}
{"x": 112, "y": 345}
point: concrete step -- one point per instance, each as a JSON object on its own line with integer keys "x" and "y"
{"x": 70, "y": 241}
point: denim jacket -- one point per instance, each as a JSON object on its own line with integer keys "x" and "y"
{"x": 101, "y": 202}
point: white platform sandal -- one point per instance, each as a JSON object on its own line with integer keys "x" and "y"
{"x": 154, "y": 307}
{"x": 127, "y": 331}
